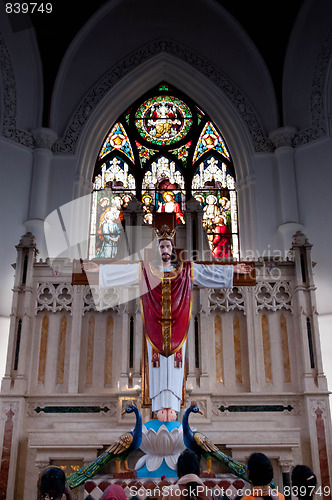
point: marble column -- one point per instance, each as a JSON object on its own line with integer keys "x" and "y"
{"x": 289, "y": 208}
{"x": 39, "y": 190}
{"x": 313, "y": 374}
{"x": 286, "y": 467}
{"x": 75, "y": 340}
{"x": 323, "y": 455}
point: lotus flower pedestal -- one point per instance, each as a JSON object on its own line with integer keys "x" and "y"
{"x": 162, "y": 443}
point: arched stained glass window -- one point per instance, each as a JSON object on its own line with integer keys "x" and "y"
{"x": 164, "y": 150}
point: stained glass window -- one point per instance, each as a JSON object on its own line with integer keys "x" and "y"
{"x": 214, "y": 187}
{"x": 163, "y": 119}
{"x": 117, "y": 140}
{"x": 163, "y": 190}
{"x": 161, "y": 150}
{"x": 210, "y": 140}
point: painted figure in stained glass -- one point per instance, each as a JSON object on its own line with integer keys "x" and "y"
{"x": 148, "y": 218}
{"x": 211, "y": 210}
{"x": 214, "y": 183}
{"x": 111, "y": 235}
{"x": 125, "y": 200}
{"x": 225, "y": 210}
{"x": 104, "y": 205}
{"x": 223, "y": 200}
{"x": 170, "y": 205}
{"x": 200, "y": 200}
{"x": 116, "y": 206}
{"x": 163, "y": 120}
{"x": 148, "y": 208}
{"x": 221, "y": 243}
{"x": 163, "y": 177}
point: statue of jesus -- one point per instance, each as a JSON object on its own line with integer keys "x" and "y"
{"x": 166, "y": 296}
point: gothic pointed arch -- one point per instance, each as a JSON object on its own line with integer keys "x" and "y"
{"x": 146, "y": 55}
{"x": 163, "y": 150}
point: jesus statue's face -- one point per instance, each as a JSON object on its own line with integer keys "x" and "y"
{"x": 165, "y": 250}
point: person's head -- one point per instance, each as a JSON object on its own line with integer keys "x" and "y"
{"x": 166, "y": 250}
{"x": 188, "y": 463}
{"x": 147, "y": 200}
{"x": 52, "y": 483}
{"x": 111, "y": 215}
{"x": 304, "y": 480}
{"x": 200, "y": 199}
{"x": 104, "y": 202}
{"x": 168, "y": 196}
{"x": 260, "y": 470}
{"x": 126, "y": 199}
{"x": 220, "y": 220}
{"x": 114, "y": 492}
{"x": 117, "y": 202}
{"x": 148, "y": 218}
{"x": 211, "y": 199}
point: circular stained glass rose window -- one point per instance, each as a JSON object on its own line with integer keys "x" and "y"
{"x": 163, "y": 120}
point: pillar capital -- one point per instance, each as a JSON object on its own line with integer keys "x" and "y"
{"x": 283, "y": 136}
{"x": 44, "y": 138}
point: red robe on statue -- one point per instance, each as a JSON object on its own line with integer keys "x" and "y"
{"x": 166, "y": 307}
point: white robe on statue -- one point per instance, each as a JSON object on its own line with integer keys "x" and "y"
{"x": 166, "y": 380}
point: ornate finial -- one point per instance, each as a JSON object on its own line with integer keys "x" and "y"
{"x": 165, "y": 233}
{"x": 27, "y": 241}
{"x": 300, "y": 240}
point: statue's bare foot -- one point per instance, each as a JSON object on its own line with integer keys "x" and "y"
{"x": 162, "y": 415}
{"x": 171, "y": 415}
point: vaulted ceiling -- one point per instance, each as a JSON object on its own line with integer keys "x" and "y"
{"x": 269, "y": 26}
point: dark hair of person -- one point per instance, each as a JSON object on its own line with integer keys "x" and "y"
{"x": 305, "y": 480}
{"x": 260, "y": 469}
{"x": 260, "y": 472}
{"x": 188, "y": 463}
{"x": 52, "y": 482}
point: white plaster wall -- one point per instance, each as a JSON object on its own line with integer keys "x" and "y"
{"x": 314, "y": 179}
{"x": 15, "y": 173}
{"x": 266, "y": 207}
{"x": 62, "y": 181}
